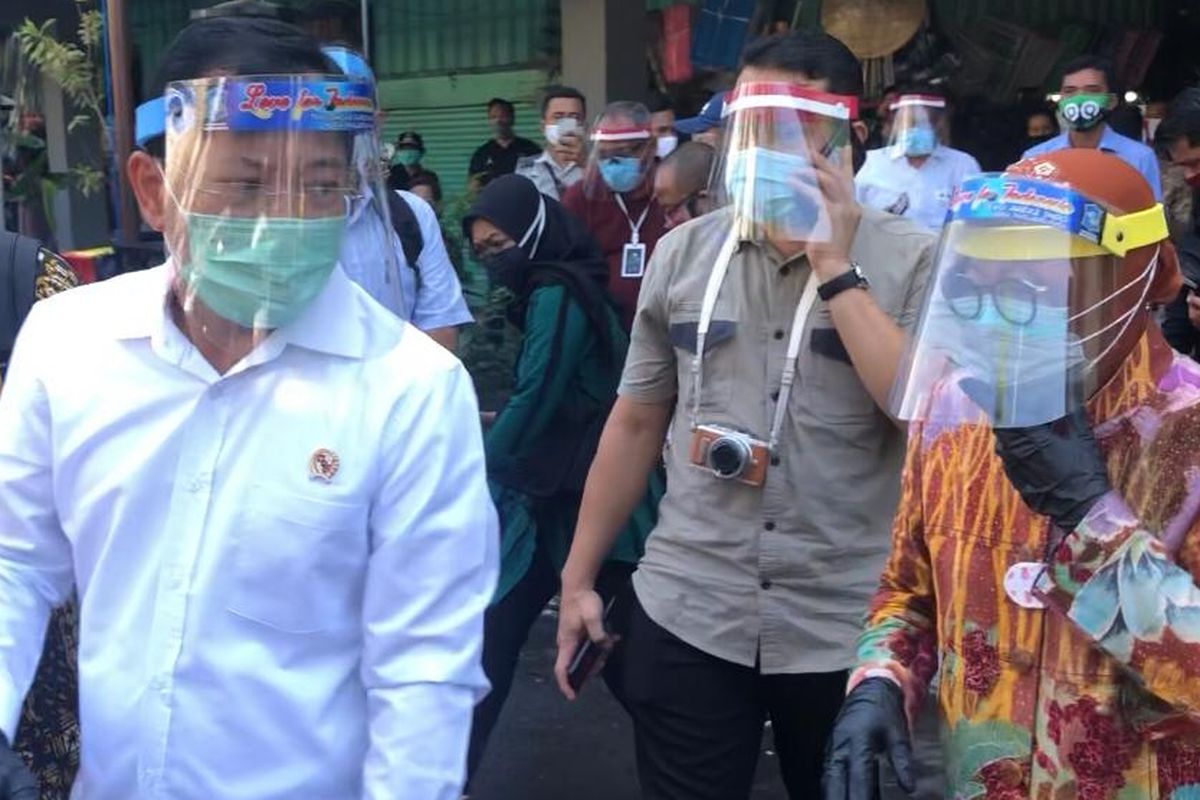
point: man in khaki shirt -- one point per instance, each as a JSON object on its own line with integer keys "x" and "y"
{"x": 749, "y": 597}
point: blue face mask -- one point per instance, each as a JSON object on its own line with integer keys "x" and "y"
{"x": 621, "y": 173}
{"x": 917, "y": 141}
{"x": 784, "y": 194}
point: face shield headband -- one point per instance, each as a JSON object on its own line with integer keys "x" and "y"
{"x": 1016, "y": 218}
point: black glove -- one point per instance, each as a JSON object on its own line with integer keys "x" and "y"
{"x": 1056, "y": 467}
{"x": 871, "y": 723}
{"x": 16, "y": 781}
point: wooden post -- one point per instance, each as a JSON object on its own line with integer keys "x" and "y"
{"x": 122, "y": 105}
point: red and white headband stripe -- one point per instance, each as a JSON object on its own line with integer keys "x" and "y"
{"x": 790, "y": 96}
{"x": 925, "y": 100}
{"x": 620, "y": 134}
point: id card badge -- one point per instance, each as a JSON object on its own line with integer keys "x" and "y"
{"x": 633, "y": 260}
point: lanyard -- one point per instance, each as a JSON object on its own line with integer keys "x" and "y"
{"x": 633, "y": 227}
{"x": 711, "y": 291}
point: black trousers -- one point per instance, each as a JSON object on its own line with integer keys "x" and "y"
{"x": 506, "y": 626}
{"x": 698, "y": 720}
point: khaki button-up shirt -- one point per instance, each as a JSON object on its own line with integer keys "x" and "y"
{"x": 778, "y": 575}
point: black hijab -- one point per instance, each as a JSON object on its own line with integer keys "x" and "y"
{"x": 561, "y": 253}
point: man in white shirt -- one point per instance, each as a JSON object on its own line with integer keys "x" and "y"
{"x": 427, "y": 292}
{"x": 266, "y": 491}
{"x": 561, "y": 164}
{"x": 413, "y": 276}
{"x": 915, "y": 175}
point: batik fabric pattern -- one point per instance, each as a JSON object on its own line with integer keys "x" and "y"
{"x": 1096, "y": 695}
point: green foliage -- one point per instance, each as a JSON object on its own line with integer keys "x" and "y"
{"x": 75, "y": 67}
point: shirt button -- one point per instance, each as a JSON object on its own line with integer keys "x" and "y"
{"x": 774, "y": 397}
{"x": 785, "y": 270}
{"x": 766, "y": 584}
{"x": 770, "y": 526}
{"x": 778, "y": 334}
{"x": 774, "y": 461}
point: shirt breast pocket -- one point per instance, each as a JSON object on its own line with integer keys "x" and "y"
{"x": 831, "y": 387}
{"x": 719, "y": 359}
{"x": 299, "y": 562}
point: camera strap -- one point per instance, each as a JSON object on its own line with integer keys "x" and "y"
{"x": 715, "y": 279}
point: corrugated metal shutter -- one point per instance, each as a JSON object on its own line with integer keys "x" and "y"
{"x": 450, "y": 114}
{"x": 428, "y": 36}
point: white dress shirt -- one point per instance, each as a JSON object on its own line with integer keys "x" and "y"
{"x": 438, "y": 302}
{"x": 889, "y": 183}
{"x": 248, "y": 630}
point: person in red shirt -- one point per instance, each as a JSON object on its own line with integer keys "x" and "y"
{"x": 615, "y": 200}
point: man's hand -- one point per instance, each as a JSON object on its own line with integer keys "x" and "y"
{"x": 836, "y": 182}
{"x": 570, "y": 149}
{"x": 16, "y": 781}
{"x": 1056, "y": 467}
{"x": 1193, "y": 309}
{"x": 580, "y": 616}
{"x": 871, "y": 724}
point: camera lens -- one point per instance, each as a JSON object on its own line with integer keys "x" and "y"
{"x": 728, "y": 457}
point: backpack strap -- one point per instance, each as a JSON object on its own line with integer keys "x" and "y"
{"x": 404, "y": 221}
{"x": 18, "y": 273}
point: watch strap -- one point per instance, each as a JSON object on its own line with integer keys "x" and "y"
{"x": 852, "y": 278}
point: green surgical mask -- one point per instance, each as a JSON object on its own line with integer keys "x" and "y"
{"x": 1082, "y": 112}
{"x": 260, "y": 272}
{"x": 406, "y": 157}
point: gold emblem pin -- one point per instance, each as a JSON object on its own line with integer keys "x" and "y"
{"x": 324, "y": 464}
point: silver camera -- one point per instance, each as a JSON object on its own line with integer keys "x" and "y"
{"x": 729, "y": 454}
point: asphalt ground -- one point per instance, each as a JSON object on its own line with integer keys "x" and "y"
{"x": 544, "y": 748}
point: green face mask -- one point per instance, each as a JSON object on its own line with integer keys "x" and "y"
{"x": 406, "y": 156}
{"x": 260, "y": 272}
{"x": 1083, "y": 112}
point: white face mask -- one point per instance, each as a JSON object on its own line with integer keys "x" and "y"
{"x": 666, "y": 145}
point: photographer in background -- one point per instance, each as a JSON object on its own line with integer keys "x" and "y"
{"x": 560, "y": 165}
{"x": 770, "y": 332}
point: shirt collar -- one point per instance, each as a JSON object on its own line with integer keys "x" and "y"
{"x": 1111, "y": 140}
{"x": 1137, "y": 382}
{"x": 335, "y": 323}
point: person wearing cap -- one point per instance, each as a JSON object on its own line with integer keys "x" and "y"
{"x": 561, "y": 164}
{"x": 765, "y": 344}
{"x": 261, "y": 487}
{"x": 616, "y": 201}
{"x": 915, "y": 175}
{"x": 1088, "y": 94}
{"x": 706, "y": 126}
{"x": 406, "y": 161}
{"x": 1045, "y": 550}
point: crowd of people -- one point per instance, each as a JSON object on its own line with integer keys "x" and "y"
{"x": 258, "y": 538}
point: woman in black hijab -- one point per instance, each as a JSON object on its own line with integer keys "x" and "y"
{"x": 543, "y": 440}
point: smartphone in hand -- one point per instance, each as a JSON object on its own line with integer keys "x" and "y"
{"x": 587, "y": 654}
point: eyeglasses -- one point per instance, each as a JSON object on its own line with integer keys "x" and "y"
{"x": 1015, "y": 299}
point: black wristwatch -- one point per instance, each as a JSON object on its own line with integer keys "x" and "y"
{"x": 853, "y": 278}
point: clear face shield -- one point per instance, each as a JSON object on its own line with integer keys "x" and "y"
{"x": 260, "y": 173}
{"x": 917, "y": 124}
{"x": 775, "y": 133}
{"x": 621, "y": 156}
{"x": 1027, "y": 298}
